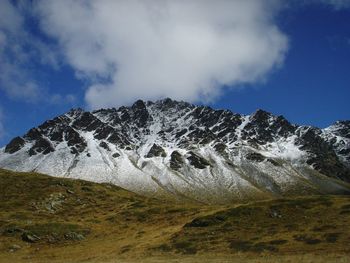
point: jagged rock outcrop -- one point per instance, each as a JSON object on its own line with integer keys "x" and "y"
{"x": 172, "y": 148}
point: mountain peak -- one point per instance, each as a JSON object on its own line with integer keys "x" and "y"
{"x": 75, "y": 110}
{"x": 139, "y": 104}
{"x": 170, "y": 147}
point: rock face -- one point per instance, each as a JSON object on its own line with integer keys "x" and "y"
{"x": 177, "y": 149}
{"x": 156, "y": 151}
{"x": 15, "y": 145}
{"x": 29, "y": 237}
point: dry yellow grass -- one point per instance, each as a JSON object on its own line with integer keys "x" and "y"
{"x": 79, "y": 221}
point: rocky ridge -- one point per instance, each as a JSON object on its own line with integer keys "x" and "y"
{"x": 172, "y": 148}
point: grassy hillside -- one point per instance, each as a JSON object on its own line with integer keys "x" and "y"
{"x": 46, "y": 219}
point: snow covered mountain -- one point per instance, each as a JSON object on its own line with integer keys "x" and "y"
{"x": 175, "y": 149}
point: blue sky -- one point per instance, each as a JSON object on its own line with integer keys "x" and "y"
{"x": 289, "y": 60}
{"x": 313, "y": 85}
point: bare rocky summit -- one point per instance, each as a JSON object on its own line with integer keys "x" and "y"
{"x": 176, "y": 149}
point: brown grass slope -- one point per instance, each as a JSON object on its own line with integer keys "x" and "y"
{"x": 47, "y": 219}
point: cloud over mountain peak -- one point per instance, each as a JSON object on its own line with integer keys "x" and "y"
{"x": 185, "y": 50}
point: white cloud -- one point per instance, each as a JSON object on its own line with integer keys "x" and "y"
{"x": 16, "y": 83}
{"x": 129, "y": 49}
{"x": 62, "y": 99}
{"x": 150, "y": 49}
{"x": 19, "y": 51}
{"x": 10, "y": 19}
{"x": 337, "y": 4}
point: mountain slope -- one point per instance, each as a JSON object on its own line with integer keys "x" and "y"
{"x": 178, "y": 150}
{"x": 47, "y": 219}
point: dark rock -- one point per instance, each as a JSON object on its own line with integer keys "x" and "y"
{"x": 345, "y": 151}
{"x": 156, "y": 151}
{"x": 74, "y": 236}
{"x": 282, "y": 127}
{"x": 201, "y": 136}
{"x": 220, "y": 147}
{"x": 31, "y": 152}
{"x": 75, "y": 112}
{"x": 338, "y": 136}
{"x": 74, "y": 140}
{"x": 176, "y": 160}
{"x": 73, "y": 150}
{"x": 274, "y": 162}
{"x": 29, "y": 237}
{"x": 162, "y": 134}
{"x": 57, "y": 136}
{"x": 87, "y": 122}
{"x": 118, "y": 139}
{"x": 54, "y": 129}
{"x": 167, "y": 104}
{"x": 197, "y": 161}
{"x": 41, "y": 146}
{"x": 141, "y": 115}
{"x": 104, "y": 145}
{"x": 322, "y": 156}
{"x": 47, "y": 125}
{"x": 180, "y": 133}
{"x": 228, "y": 123}
{"x": 115, "y": 155}
{"x": 103, "y": 132}
{"x": 33, "y": 134}
{"x": 15, "y": 145}
{"x": 264, "y": 127}
{"x": 105, "y": 112}
{"x": 255, "y": 157}
{"x": 125, "y": 116}
{"x": 139, "y": 104}
{"x": 342, "y": 128}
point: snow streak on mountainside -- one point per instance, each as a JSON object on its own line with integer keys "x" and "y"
{"x": 171, "y": 148}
